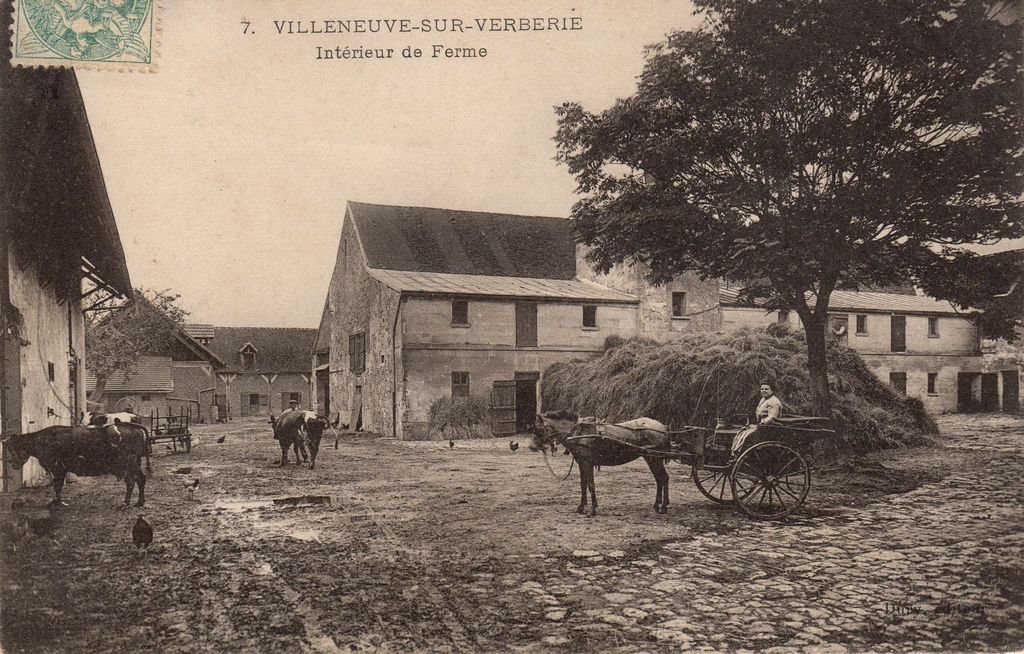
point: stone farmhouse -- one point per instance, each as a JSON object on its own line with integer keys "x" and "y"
{"x": 431, "y": 303}
{"x": 60, "y": 253}
{"x": 923, "y": 347}
{"x": 262, "y": 368}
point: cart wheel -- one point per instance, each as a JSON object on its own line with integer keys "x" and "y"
{"x": 770, "y": 481}
{"x": 714, "y": 484}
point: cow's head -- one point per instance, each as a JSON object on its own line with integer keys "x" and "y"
{"x": 316, "y": 425}
{"x": 18, "y": 448}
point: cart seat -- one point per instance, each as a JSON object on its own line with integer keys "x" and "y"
{"x": 807, "y": 422}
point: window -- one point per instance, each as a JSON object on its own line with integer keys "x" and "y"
{"x": 357, "y": 352}
{"x": 862, "y": 325}
{"x": 254, "y": 399}
{"x": 678, "y": 304}
{"x": 898, "y": 334}
{"x": 460, "y": 384}
{"x": 526, "y": 324}
{"x": 933, "y": 327}
{"x": 460, "y": 312}
{"x": 898, "y": 381}
{"x": 51, "y": 371}
{"x": 248, "y": 357}
{"x": 933, "y": 378}
{"x": 589, "y": 316}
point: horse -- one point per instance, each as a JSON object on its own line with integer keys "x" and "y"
{"x": 593, "y": 443}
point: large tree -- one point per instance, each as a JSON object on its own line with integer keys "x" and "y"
{"x": 802, "y": 146}
{"x": 114, "y": 342}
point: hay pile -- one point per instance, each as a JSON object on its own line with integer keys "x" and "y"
{"x": 702, "y": 376}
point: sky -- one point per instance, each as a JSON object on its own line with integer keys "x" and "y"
{"x": 228, "y": 168}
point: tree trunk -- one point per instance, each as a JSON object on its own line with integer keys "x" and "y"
{"x": 817, "y": 366}
{"x": 97, "y": 392}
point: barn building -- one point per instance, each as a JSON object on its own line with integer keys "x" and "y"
{"x": 60, "y": 253}
{"x": 430, "y": 303}
{"x": 263, "y": 368}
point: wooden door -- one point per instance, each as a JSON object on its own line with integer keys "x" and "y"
{"x": 355, "y": 419}
{"x": 898, "y": 337}
{"x": 1011, "y": 391}
{"x": 990, "y": 391}
{"x": 503, "y": 408}
{"x": 526, "y": 324}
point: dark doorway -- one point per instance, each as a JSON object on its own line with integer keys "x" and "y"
{"x": 503, "y": 408}
{"x": 323, "y": 391}
{"x": 965, "y": 402}
{"x": 526, "y": 324}
{"x": 1011, "y": 391}
{"x": 990, "y": 391}
{"x": 526, "y": 400}
{"x": 898, "y": 337}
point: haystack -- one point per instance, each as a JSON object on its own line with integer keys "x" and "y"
{"x": 702, "y": 376}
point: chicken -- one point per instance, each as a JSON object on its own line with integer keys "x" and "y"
{"x": 513, "y": 446}
{"x": 142, "y": 535}
{"x": 190, "y": 485}
{"x": 451, "y": 443}
{"x": 221, "y": 439}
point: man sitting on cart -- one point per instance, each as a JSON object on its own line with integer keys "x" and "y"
{"x": 768, "y": 409}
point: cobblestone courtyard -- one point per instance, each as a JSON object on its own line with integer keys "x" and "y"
{"x": 476, "y": 548}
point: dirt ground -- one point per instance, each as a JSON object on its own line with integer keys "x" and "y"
{"x": 385, "y": 546}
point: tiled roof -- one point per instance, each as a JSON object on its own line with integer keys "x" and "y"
{"x": 864, "y": 301}
{"x": 196, "y": 330}
{"x": 278, "y": 349}
{"x": 464, "y": 242}
{"x": 151, "y": 375}
{"x": 526, "y": 287}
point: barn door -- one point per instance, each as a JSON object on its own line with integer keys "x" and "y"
{"x": 1011, "y": 391}
{"x": 503, "y": 408}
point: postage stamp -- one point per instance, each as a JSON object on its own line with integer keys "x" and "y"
{"x": 92, "y": 34}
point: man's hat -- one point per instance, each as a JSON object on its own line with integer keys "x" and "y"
{"x": 293, "y": 401}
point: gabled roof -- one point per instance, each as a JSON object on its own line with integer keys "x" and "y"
{"x": 863, "y": 301}
{"x": 151, "y": 375}
{"x": 53, "y": 195}
{"x": 482, "y": 285}
{"x": 446, "y": 241}
{"x": 279, "y": 349}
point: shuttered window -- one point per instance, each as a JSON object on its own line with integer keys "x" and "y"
{"x": 460, "y": 384}
{"x": 589, "y": 316}
{"x": 357, "y": 352}
{"x": 460, "y": 312}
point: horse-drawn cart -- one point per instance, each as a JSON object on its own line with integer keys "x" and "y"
{"x": 768, "y": 475}
{"x": 763, "y": 470}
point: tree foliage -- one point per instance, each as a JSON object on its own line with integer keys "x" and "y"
{"x": 807, "y": 145}
{"x": 114, "y": 342}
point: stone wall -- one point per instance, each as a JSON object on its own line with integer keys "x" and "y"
{"x": 46, "y": 399}
{"x": 242, "y": 385}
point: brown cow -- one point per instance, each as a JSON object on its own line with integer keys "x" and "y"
{"x": 90, "y": 452}
{"x": 300, "y": 428}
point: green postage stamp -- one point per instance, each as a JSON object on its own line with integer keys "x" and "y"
{"x": 93, "y": 34}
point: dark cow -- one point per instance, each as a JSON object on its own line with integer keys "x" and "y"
{"x": 300, "y": 429}
{"x": 115, "y": 450}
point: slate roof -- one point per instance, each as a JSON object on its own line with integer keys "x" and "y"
{"x": 151, "y": 375}
{"x": 525, "y": 287}
{"x": 865, "y": 301}
{"x": 430, "y": 240}
{"x": 278, "y": 349}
